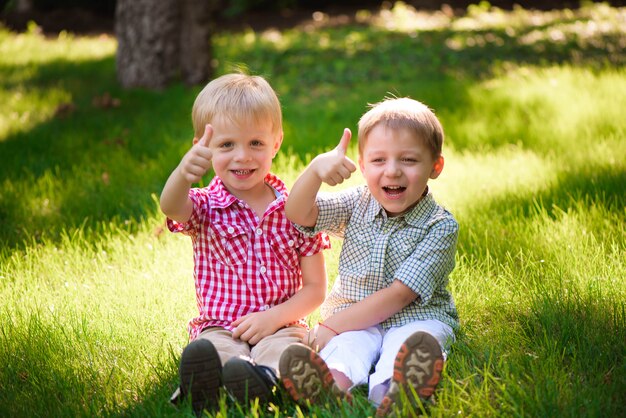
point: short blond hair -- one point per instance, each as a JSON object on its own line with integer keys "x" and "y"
{"x": 403, "y": 113}
{"x": 239, "y": 98}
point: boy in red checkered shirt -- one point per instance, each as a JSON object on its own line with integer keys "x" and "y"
{"x": 256, "y": 276}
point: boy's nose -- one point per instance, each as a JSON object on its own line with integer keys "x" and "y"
{"x": 242, "y": 154}
{"x": 392, "y": 169}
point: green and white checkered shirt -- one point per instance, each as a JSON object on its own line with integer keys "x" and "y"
{"x": 417, "y": 248}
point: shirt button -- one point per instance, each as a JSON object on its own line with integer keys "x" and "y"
{"x": 263, "y": 269}
{"x": 231, "y": 229}
{"x": 259, "y": 231}
{"x": 290, "y": 243}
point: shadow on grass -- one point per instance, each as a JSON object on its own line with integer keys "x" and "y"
{"x": 579, "y": 334}
{"x": 98, "y": 165}
{"x": 92, "y": 162}
{"x": 551, "y": 357}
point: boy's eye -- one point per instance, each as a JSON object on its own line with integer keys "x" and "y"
{"x": 226, "y": 145}
{"x": 409, "y": 160}
{"x": 256, "y": 143}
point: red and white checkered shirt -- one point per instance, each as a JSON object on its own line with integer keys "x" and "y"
{"x": 242, "y": 264}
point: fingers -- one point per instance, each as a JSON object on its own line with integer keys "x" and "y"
{"x": 339, "y": 173}
{"x": 197, "y": 161}
{"x": 349, "y": 165}
{"x": 344, "y": 142}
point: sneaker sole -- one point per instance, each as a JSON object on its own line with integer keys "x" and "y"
{"x": 243, "y": 383}
{"x": 418, "y": 365}
{"x": 305, "y": 375}
{"x": 200, "y": 374}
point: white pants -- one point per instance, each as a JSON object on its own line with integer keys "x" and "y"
{"x": 354, "y": 352}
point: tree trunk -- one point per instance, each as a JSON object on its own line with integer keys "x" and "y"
{"x": 24, "y": 6}
{"x": 197, "y": 26}
{"x": 159, "y": 40}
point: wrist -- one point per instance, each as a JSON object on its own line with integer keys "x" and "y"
{"x": 323, "y": 325}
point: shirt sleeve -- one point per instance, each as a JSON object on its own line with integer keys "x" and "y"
{"x": 200, "y": 200}
{"x": 312, "y": 245}
{"x": 335, "y": 210}
{"x": 428, "y": 267}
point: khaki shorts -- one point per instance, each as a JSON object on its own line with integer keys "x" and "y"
{"x": 266, "y": 352}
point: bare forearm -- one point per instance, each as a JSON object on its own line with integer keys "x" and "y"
{"x": 332, "y": 168}
{"x": 175, "y": 202}
{"x": 300, "y": 207}
{"x": 372, "y": 310}
{"x": 312, "y": 293}
{"x": 305, "y": 301}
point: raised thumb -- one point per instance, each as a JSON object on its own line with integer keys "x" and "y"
{"x": 344, "y": 142}
{"x": 206, "y": 137}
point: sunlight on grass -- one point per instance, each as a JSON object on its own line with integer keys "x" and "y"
{"x": 547, "y": 109}
{"x": 588, "y": 22}
{"x": 100, "y": 297}
{"x": 32, "y": 47}
{"x": 97, "y": 293}
{"x": 21, "y": 59}
{"x": 468, "y": 179}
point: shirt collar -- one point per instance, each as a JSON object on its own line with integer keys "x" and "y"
{"x": 222, "y": 198}
{"x": 413, "y": 217}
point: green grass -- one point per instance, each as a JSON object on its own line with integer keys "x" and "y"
{"x": 95, "y": 294}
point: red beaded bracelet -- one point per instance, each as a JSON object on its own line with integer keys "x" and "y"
{"x": 321, "y": 324}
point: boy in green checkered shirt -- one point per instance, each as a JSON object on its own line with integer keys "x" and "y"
{"x": 390, "y": 306}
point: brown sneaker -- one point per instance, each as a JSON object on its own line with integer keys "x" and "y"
{"x": 417, "y": 367}
{"x": 306, "y": 376}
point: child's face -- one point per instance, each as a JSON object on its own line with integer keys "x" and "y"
{"x": 242, "y": 155}
{"x": 396, "y": 166}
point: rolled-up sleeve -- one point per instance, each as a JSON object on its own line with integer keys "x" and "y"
{"x": 432, "y": 261}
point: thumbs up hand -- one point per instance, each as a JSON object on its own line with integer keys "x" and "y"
{"x": 334, "y": 167}
{"x": 197, "y": 161}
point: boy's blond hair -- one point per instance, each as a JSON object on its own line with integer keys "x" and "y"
{"x": 239, "y": 98}
{"x": 403, "y": 113}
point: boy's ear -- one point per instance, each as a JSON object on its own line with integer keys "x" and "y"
{"x": 437, "y": 167}
{"x": 361, "y": 163}
{"x": 277, "y": 143}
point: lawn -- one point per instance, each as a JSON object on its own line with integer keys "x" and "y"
{"x": 96, "y": 294}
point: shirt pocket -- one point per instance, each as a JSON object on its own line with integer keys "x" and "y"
{"x": 356, "y": 253}
{"x": 229, "y": 243}
{"x": 283, "y": 248}
{"x": 401, "y": 247}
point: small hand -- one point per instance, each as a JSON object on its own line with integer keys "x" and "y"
{"x": 255, "y": 326}
{"x": 334, "y": 167}
{"x": 317, "y": 338}
{"x": 197, "y": 161}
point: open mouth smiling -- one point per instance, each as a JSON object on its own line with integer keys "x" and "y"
{"x": 393, "y": 190}
{"x": 242, "y": 172}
